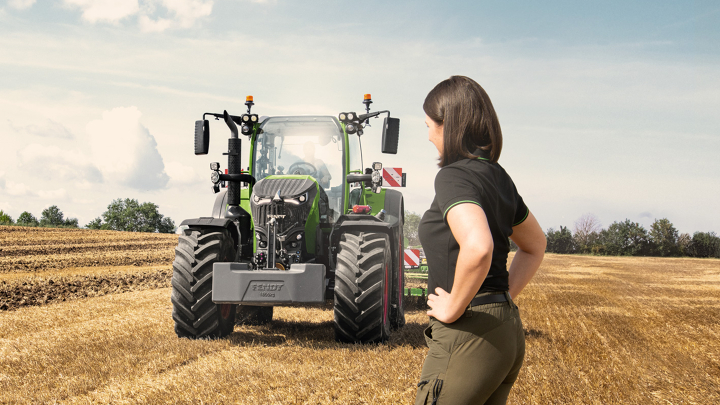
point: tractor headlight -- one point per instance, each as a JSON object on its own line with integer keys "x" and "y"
{"x": 350, "y": 116}
{"x": 342, "y": 116}
{"x": 214, "y": 166}
{"x": 254, "y": 118}
{"x": 377, "y": 166}
{"x": 215, "y": 177}
{"x": 376, "y": 177}
{"x": 351, "y": 128}
{"x": 245, "y": 118}
{"x": 296, "y": 200}
{"x": 256, "y": 199}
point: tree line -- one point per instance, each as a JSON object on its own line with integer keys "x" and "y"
{"x": 121, "y": 215}
{"x": 628, "y": 238}
{"x": 624, "y": 238}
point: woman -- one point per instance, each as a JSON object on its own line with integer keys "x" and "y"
{"x": 475, "y": 336}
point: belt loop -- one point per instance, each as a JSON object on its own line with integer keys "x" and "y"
{"x": 510, "y": 301}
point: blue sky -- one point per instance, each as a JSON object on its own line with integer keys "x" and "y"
{"x": 608, "y": 108}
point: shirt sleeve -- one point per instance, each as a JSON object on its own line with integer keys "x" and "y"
{"x": 521, "y": 210}
{"x": 454, "y": 186}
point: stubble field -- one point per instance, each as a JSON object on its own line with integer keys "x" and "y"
{"x": 86, "y": 319}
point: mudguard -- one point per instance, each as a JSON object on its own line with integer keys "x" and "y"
{"x": 240, "y": 234}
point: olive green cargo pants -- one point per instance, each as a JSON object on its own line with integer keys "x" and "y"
{"x": 474, "y": 360}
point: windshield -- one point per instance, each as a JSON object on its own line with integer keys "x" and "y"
{"x": 305, "y": 146}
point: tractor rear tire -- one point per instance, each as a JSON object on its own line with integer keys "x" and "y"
{"x": 362, "y": 281}
{"x": 196, "y": 315}
{"x": 253, "y": 315}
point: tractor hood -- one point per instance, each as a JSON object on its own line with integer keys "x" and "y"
{"x": 287, "y": 186}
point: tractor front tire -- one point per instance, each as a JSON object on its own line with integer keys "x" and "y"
{"x": 196, "y": 315}
{"x": 362, "y": 296}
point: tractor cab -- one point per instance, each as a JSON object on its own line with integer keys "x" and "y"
{"x": 299, "y": 149}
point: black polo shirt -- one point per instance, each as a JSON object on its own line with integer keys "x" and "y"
{"x": 471, "y": 181}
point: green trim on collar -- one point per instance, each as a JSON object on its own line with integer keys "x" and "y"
{"x": 460, "y": 202}
{"x": 482, "y": 154}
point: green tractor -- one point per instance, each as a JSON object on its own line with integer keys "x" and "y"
{"x": 304, "y": 225}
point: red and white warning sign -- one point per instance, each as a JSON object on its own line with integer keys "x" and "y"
{"x": 393, "y": 177}
{"x": 412, "y": 258}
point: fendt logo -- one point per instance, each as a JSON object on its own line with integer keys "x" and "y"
{"x": 276, "y": 216}
{"x": 267, "y": 287}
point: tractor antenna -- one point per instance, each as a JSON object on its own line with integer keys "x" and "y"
{"x": 249, "y": 103}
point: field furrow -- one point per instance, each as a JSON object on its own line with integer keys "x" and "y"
{"x": 16, "y": 292}
{"x": 68, "y": 248}
{"x": 86, "y": 259}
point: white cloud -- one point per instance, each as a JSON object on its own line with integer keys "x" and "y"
{"x": 125, "y": 151}
{"x": 53, "y": 162}
{"x": 5, "y": 206}
{"x": 187, "y": 11}
{"x": 152, "y": 15}
{"x": 105, "y": 10}
{"x": 17, "y": 189}
{"x": 20, "y": 4}
{"x": 181, "y": 174}
{"x": 46, "y": 129}
{"x": 59, "y": 194}
{"x": 147, "y": 24}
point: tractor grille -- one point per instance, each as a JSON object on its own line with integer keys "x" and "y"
{"x": 295, "y": 215}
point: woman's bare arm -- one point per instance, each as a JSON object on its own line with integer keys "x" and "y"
{"x": 530, "y": 239}
{"x": 470, "y": 228}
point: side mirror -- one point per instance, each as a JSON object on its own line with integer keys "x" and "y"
{"x": 202, "y": 137}
{"x": 390, "y": 135}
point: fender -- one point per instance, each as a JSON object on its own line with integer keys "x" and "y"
{"x": 241, "y": 233}
{"x": 394, "y": 207}
{"x": 220, "y": 204}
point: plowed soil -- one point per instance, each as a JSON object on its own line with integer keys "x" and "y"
{"x": 27, "y": 249}
{"x": 46, "y": 289}
{"x": 44, "y": 265}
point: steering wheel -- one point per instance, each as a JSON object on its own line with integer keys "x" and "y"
{"x": 302, "y": 167}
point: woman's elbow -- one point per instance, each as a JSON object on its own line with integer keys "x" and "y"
{"x": 480, "y": 252}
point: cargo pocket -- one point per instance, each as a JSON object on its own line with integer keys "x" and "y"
{"x": 429, "y": 391}
{"x": 428, "y": 335}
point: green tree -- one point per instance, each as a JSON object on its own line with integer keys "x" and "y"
{"x": 410, "y": 228}
{"x": 705, "y": 244}
{"x": 71, "y": 223}
{"x": 27, "y": 219}
{"x": 95, "y": 224}
{"x": 560, "y": 241}
{"x": 664, "y": 238}
{"x": 5, "y": 219}
{"x": 129, "y": 215}
{"x": 624, "y": 239}
{"x": 52, "y": 217}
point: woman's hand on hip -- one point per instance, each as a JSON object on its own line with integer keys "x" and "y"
{"x": 442, "y": 306}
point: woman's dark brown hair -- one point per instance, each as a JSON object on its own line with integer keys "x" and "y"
{"x": 468, "y": 118}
